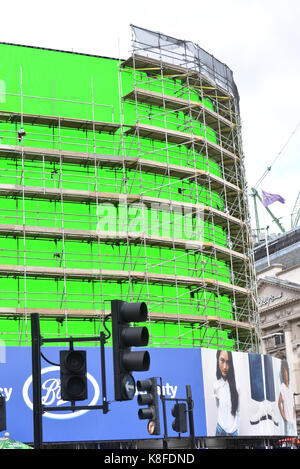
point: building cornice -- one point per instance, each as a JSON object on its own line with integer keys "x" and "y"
{"x": 285, "y": 316}
{"x": 288, "y": 302}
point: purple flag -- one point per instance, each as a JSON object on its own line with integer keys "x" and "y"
{"x": 269, "y": 199}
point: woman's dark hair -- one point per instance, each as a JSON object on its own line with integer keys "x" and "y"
{"x": 284, "y": 366}
{"x": 231, "y": 381}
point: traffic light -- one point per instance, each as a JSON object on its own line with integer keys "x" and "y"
{"x": 179, "y": 425}
{"x": 2, "y": 413}
{"x": 73, "y": 379}
{"x": 150, "y": 398}
{"x": 124, "y": 337}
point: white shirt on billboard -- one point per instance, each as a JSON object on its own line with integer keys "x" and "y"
{"x": 288, "y": 402}
{"x": 221, "y": 392}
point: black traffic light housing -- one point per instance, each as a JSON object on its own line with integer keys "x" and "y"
{"x": 2, "y": 413}
{"x": 124, "y": 337}
{"x": 179, "y": 411}
{"x": 73, "y": 378}
{"x": 149, "y": 398}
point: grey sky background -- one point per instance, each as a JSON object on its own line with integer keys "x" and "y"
{"x": 258, "y": 39}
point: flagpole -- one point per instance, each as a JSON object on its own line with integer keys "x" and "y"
{"x": 269, "y": 211}
{"x": 266, "y": 238}
{"x": 267, "y": 246}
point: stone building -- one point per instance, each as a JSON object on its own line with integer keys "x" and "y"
{"x": 278, "y": 282}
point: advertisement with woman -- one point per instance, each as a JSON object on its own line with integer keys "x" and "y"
{"x": 234, "y": 394}
{"x": 247, "y": 394}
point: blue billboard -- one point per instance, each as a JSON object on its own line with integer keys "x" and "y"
{"x": 236, "y": 393}
{"x": 176, "y": 367}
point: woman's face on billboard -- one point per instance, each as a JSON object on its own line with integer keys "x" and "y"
{"x": 224, "y": 364}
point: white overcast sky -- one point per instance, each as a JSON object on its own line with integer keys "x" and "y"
{"x": 258, "y": 39}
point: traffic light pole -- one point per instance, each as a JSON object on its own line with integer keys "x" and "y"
{"x": 190, "y": 405}
{"x": 36, "y": 382}
{"x": 163, "y": 400}
{"x": 103, "y": 338}
{"x": 38, "y": 408}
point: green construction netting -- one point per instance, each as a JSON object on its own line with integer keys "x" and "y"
{"x": 51, "y": 83}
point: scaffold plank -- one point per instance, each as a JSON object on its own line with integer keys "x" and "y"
{"x": 234, "y": 291}
{"x": 66, "y": 156}
{"x": 227, "y": 324}
{"x": 212, "y": 119}
{"x": 55, "y": 121}
{"x": 212, "y": 149}
{"x": 156, "y": 67}
{"x": 115, "y": 161}
{"x": 222, "y": 252}
{"x": 219, "y": 217}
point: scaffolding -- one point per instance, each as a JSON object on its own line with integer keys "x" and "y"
{"x": 143, "y": 200}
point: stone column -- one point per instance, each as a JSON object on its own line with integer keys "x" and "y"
{"x": 263, "y": 346}
{"x": 296, "y": 380}
{"x": 286, "y": 326}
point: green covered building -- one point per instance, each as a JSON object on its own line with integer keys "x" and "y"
{"x": 124, "y": 179}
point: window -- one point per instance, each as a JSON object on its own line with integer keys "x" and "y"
{"x": 279, "y": 339}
